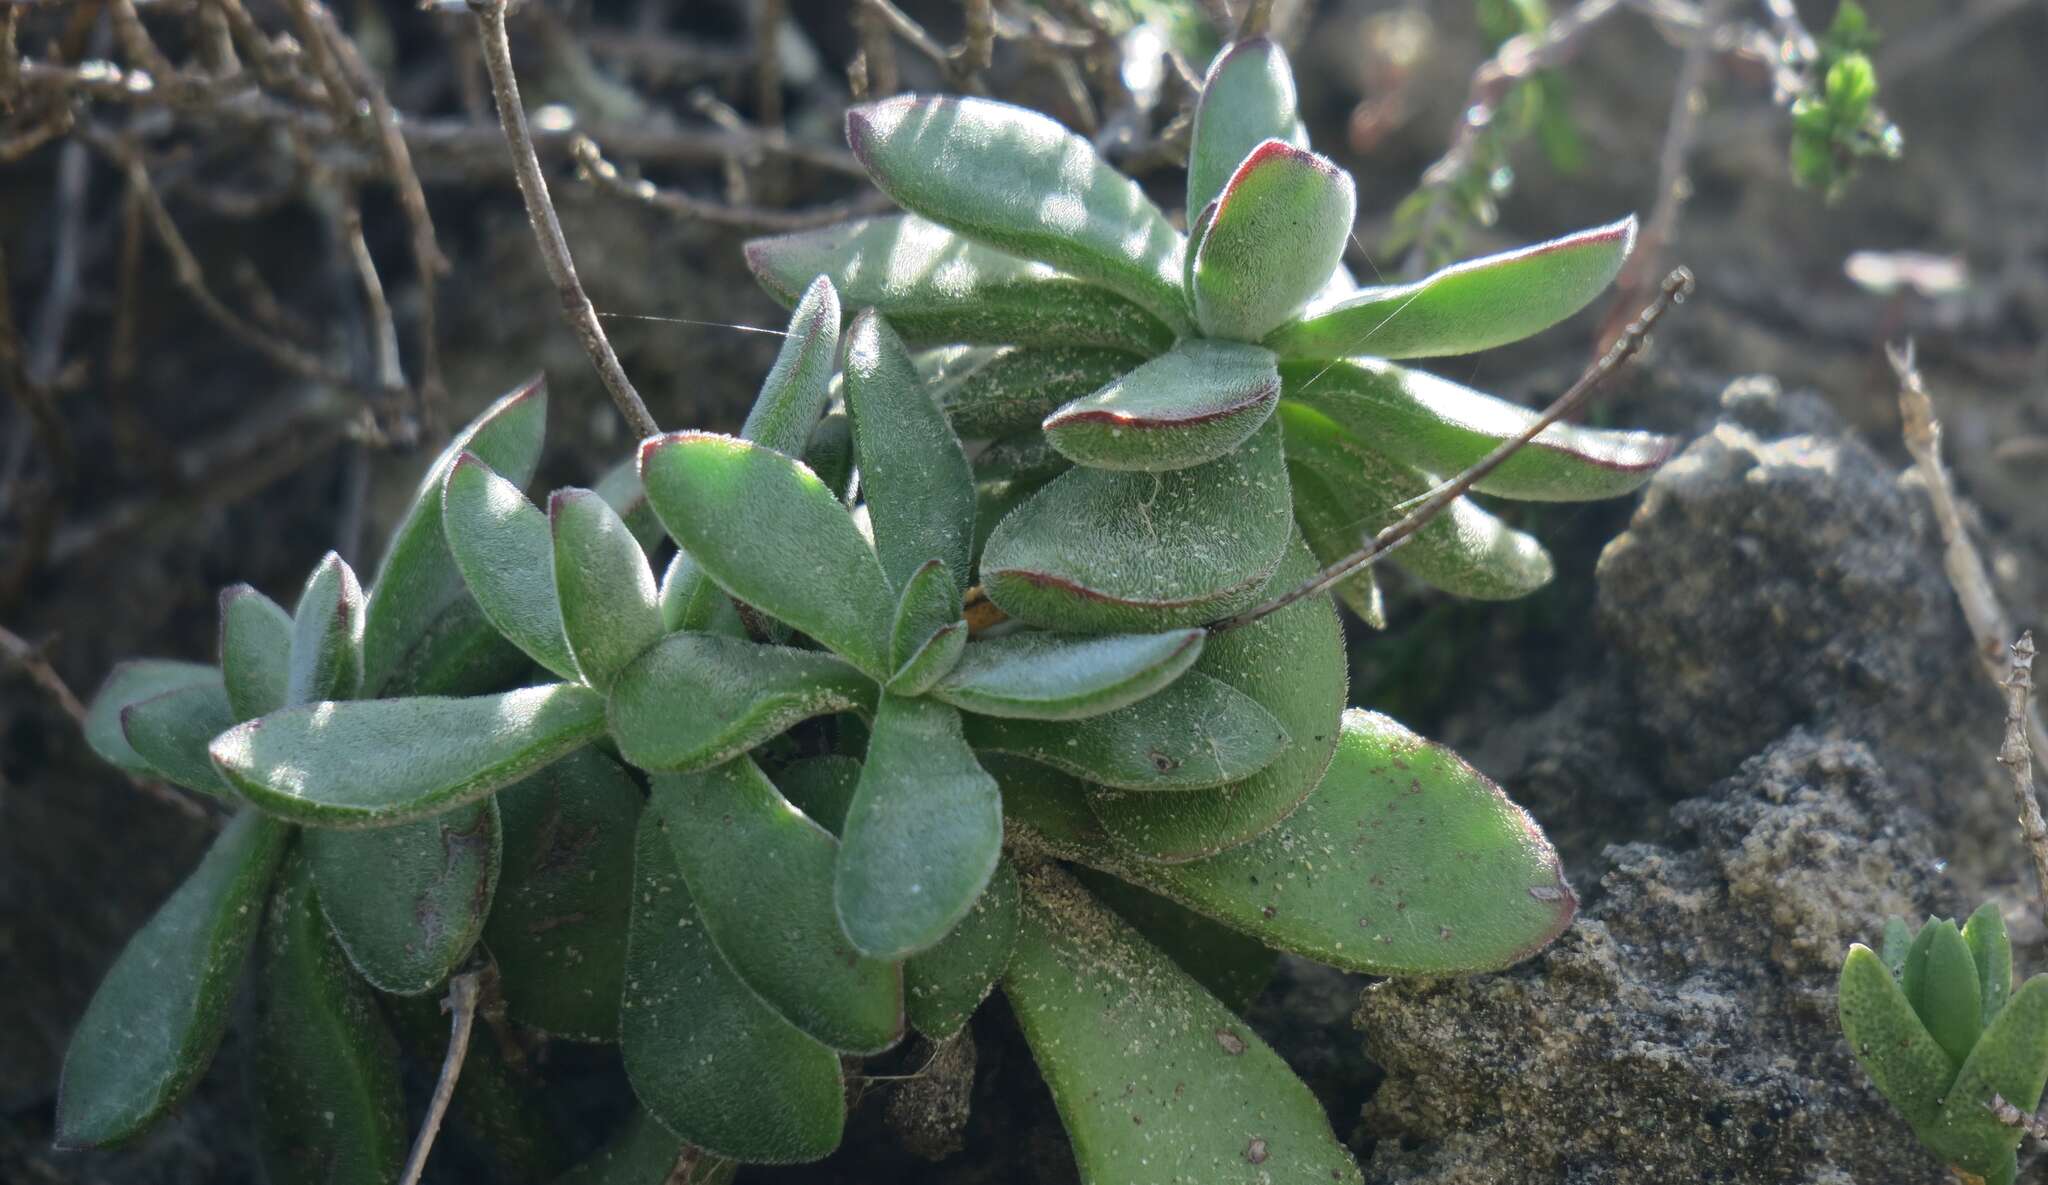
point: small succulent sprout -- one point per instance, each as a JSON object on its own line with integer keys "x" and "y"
{"x": 1247, "y": 98}
{"x": 1936, "y": 1024}
{"x": 1193, "y": 404}
{"x": 1278, "y": 230}
{"x": 327, "y": 636}
{"x": 603, "y": 586}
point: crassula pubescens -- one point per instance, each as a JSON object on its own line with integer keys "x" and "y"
{"x": 929, "y": 697}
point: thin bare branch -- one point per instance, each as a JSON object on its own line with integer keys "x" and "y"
{"x": 547, "y": 228}
{"x": 461, "y": 1003}
{"x": 594, "y": 168}
{"x": 1677, "y": 286}
{"x": 2017, "y": 755}
{"x": 1258, "y": 15}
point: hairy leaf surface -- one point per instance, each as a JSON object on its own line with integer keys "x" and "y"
{"x": 1186, "y": 407}
{"x": 610, "y": 614}
{"x": 944, "y": 985}
{"x": 699, "y": 700}
{"x": 1037, "y": 676}
{"x": 919, "y": 490}
{"x": 408, "y": 902}
{"x": 506, "y": 552}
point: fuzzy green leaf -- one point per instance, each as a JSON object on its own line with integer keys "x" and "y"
{"x": 1992, "y": 951}
{"x": 130, "y": 683}
{"x": 1154, "y": 1079}
{"x": 408, "y": 902}
{"x": 1467, "y": 307}
{"x": 1332, "y": 534}
{"x": 690, "y": 600}
{"x": 750, "y": 857}
{"x": 699, "y": 700}
{"x": 422, "y": 632}
{"x": 378, "y": 763}
{"x": 327, "y": 636}
{"x": 606, "y": 590}
{"x": 1419, "y": 419}
{"x": 919, "y": 490}
{"x": 1230, "y": 966}
{"x": 800, "y": 557}
{"x": 1894, "y": 1048}
{"x": 1247, "y": 97}
{"x": 1199, "y": 733}
{"x": 1036, "y": 676}
{"x": 944, "y": 985}
{"x": 153, "y": 1023}
{"x": 1898, "y": 939}
{"x": 1465, "y": 550}
{"x": 255, "y": 651}
{"x": 922, "y": 834}
{"x": 1019, "y": 182}
{"x": 324, "y": 1078}
{"x": 1278, "y": 232}
{"x": 1292, "y": 664}
{"x": 1405, "y": 861}
{"x": 506, "y": 553}
{"x": 830, "y": 452}
{"x": 621, "y": 490}
{"x": 994, "y": 391}
{"x": 927, "y": 630}
{"x": 645, "y": 1153}
{"x": 170, "y": 732}
{"x": 1191, "y": 405}
{"x": 707, "y": 1058}
{"x": 557, "y": 926}
{"x": 1913, "y": 972}
{"x": 2010, "y": 1063}
{"x": 821, "y": 787}
{"x": 938, "y": 288}
{"x": 1951, "y": 1001}
{"x": 794, "y": 395}
{"x": 1100, "y": 551}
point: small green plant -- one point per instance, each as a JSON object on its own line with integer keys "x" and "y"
{"x": 1837, "y": 123}
{"x": 1936, "y": 1023}
{"x": 899, "y": 722}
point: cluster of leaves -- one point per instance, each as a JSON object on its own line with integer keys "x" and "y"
{"x": 1936, "y": 1023}
{"x": 1837, "y": 123}
{"x": 899, "y": 721}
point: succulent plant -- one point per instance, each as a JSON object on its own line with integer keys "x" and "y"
{"x": 898, "y": 723}
{"x": 1936, "y": 1023}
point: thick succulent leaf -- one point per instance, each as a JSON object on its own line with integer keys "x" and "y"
{"x": 707, "y": 1058}
{"x": 1292, "y": 664}
{"x": 799, "y": 559}
{"x": 506, "y": 553}
{"x": 938, "y": 288}
{"x": 1198, "y": 230}
{"x": 1247, "y": 97}
{"x": 606, "y": 590}
{"x": 646, "y": 1153}
{"x": 691, "y": 601}
{"x": 324, "y": 1077}
{"x": 408, "y": 902}
{"x": 1405, "y": 861}
{"x": 1019, "y": 182}
{"x": 378, "y": 763}
{"x": 1198, "y": 733}
{"x": 1898, "y": 939}
{"x": 1100, "y": 551}
{"x": 153, "y": 1023}
{"x": 1154, "y": 1079}
{"x": 1190, "y": 405}
{"x": 944, "y": 985}
{"x": 1465, "y": 550}
{"x": 422, "y": 633}
{"x": 1278, "y": 232}
{"x": 1419, "y": 419}
{"x": 919, "y": 490}
{"x": 821, "y": 787}
{"x": 699, "y": 700}
{"x": 557, "y": 926}
{"x": 621, "y": 490}
{"x": 1333, "y": 535}
{"x": 1889, "y": 1041}
{"x": 255, "y": 651}
{"x": 1230, "y": 966}
{"x": 327, "y": 636}
{"x": 1951, "y": 1001}
{"x": 1467, "y": 307}
{"x": 931, "y": 662}
{"x": 130, "y": 683}
{"x": 1992, "y": 951}
{"x": 922, "y": 834}
{"x": 761, "y": 874}
{"x": 795, "y": 393}
{"x": 2011, "y": 1063}
{"x": 1036, "y": 676}
{"x": 170, "y": 733}
{"x": 994, "y": 391}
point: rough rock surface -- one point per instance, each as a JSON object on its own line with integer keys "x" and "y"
{"x": 1791, "y": 719}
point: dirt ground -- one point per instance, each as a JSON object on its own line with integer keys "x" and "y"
{"x": 1753, "y": 722}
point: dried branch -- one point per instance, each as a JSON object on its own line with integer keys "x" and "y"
{"x": 1677, "y": 286}
{"x": 461, "y": 1002}
{"x": 594, "y": 168}
{"x": 547, "y": 228}
{"x": 2017, "y": 756}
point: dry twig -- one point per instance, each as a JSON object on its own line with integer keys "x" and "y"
{"x": 594, "y": 168}
{"x": 461, "y": 1003}
{"x": 547, "y": 228}
{"x": 2016, "y": 754}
